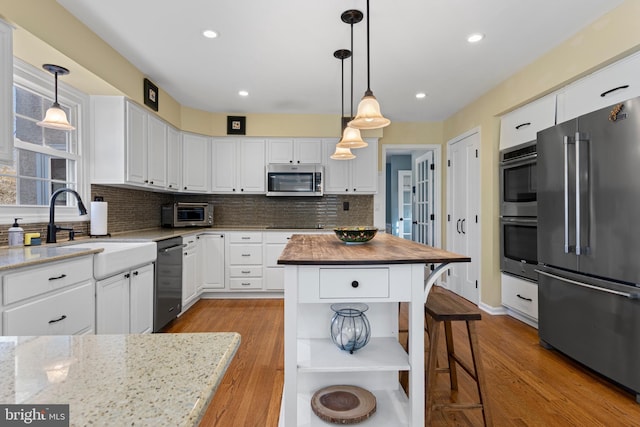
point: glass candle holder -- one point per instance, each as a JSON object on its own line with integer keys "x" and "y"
{"x": 350, "y": 329}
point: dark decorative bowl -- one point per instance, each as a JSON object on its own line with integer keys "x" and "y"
{"x": 355, "y": 234}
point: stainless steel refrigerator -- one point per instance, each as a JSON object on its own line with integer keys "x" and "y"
{"x": 589, "y": 241}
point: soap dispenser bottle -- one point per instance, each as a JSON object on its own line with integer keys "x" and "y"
{"x": 16, "y": 234}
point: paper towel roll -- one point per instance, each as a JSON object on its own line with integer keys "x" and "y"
{"x": 98, "y": 218}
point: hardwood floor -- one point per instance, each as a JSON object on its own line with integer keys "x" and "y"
{"x": 528, "y": 385}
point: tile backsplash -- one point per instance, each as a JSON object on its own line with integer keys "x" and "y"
{"x": 137, "y": 209}
{"x": 131, "y": 209}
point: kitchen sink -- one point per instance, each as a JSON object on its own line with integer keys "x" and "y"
{"x": 117, "y": 257}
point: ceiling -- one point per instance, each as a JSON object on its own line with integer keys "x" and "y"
{"x": 281, "y": 51}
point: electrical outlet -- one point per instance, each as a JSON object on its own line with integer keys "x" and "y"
{"x": 345, "y": 206}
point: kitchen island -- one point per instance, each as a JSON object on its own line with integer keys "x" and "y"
{"x": 320, "y": 270}
{"x": 109, "y": 380}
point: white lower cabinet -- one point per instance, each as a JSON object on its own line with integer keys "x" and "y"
{"x": 212, "y": 261}
{"x": 274, "y": 243}
{"x": 190, "y": 271}
{"x": 244, "y": 251}
{"x": 57, "y": 298}
{"x": 520, "y": 295}
{"x": 125, "y": 302}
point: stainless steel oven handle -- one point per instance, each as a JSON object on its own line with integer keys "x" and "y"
{"x": 519, "y": 220}
{"x": 172, "y": 248}
{"x": 566, "y": 194}
{"x": 586, "y": 285}
{"x": 517, "y": 161}
{"x": 578, "y": 193}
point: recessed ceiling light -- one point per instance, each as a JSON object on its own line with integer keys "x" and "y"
{"x": 243, "y": 93}
{"x": 421, "y": 95}
{"x": 210, "y": 34}
{"x": 475, "y": 38}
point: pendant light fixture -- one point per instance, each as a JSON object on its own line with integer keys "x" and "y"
{"x": 369, "y": 115}
{"x": 55, "y": 117}
{"x": 351, "y": 137}
{"x": 342, "y": 153}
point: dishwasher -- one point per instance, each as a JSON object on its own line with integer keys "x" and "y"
{"x": 167, "y": 293}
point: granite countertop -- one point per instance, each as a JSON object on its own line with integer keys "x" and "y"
{"x": 33, "y": 255}
{"x": 325, "y": 249}
{"x": 146, "y": 380}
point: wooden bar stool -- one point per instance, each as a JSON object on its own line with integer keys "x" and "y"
{"x": 444, "y": 306}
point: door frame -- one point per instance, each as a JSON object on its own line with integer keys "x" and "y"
{"x": 379, "y": 214}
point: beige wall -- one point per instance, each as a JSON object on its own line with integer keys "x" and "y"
{"x": 611, "y": 37}
{"x": 45, "y": 32}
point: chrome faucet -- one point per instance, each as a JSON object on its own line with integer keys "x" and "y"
{"x": 52, "y": 229}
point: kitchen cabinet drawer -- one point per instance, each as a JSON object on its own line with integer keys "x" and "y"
{"x": 248, "y": 237}
{"x": 520, "y": 295}
{"x": 245, "y": 254}
{"x": 65, "y": 313}
{"x": 354, "y": 282}
{"x": 245, "y": 283}
{"x": 30, "y": 282}
{"x": 245, "y": 271}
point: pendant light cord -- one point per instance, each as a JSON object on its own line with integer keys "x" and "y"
{"x": 342, "y": 103}
{"x": 351, "y": 115}
{"x": 56, "y": 89}
{"x": 368, "y": 55}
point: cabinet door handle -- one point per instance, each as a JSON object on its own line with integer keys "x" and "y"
{"x": 355, "y": 284}
{"x": 462, "y": 225}
{"x": 246, "y": 254}
{"x": 521, "y": 125}
{"x": 245, "y": 284}
{"x": 246, "y": 238}
{"x": 245, "y": 271}
{"x": 64, "y": 316}
{"x": 62, "y": 276}
{"x": 458, "y": 226}
{"x": 524, "y": 298}
{"x": 135, "y": 273}
{"x": 607, "y": 92}
{"x": 127, "y": 276}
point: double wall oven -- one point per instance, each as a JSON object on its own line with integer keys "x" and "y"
{"x": 519, "y": 211}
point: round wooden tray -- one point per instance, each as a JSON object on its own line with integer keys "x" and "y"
{"x": 343, "y": 404}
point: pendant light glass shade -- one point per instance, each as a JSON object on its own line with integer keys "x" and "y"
{"x": 351, "y": 139}
{"x": 369, "y": 115}
{"x": 342, "y": 153}
{"x": 55, "y": 118}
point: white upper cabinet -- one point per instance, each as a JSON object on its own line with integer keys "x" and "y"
{"x": 6, "y": 93}
{"x": 195, "y": 163}
{"x": 156, "y": 152}
{"x": 616, "y": 83}
{"x": 523, "y": 124}
{"x": 238, "y": 166}
{"x": 294, "y": 151}
{"x": 174, "y": 159}
{"x": 129, "y": 144}
{"x": 356, "y": 176}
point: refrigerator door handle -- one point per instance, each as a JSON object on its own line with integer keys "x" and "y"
{"x": 567, "y": 248}
{"x": 578, "y": 248}
{"x": 586, "y": 285}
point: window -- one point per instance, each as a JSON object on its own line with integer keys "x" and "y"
{"x": 45, "y": 160}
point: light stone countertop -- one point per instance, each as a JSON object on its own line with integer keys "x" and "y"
{"x": 117, "y": 380}
{"x": 33, "y": 255}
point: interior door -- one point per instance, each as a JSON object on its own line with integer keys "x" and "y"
{"x": 423, "y": 212}
{"x": 463, "y": 231}
{"x": 405, "y": 204}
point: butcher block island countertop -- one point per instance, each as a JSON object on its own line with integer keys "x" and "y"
{"x": 118, "y": 380}
{"x": 326, "y": 249}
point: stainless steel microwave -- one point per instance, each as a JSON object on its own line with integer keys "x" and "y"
{"x": 294, "y": 180}
{"x": 182, "y": 214}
